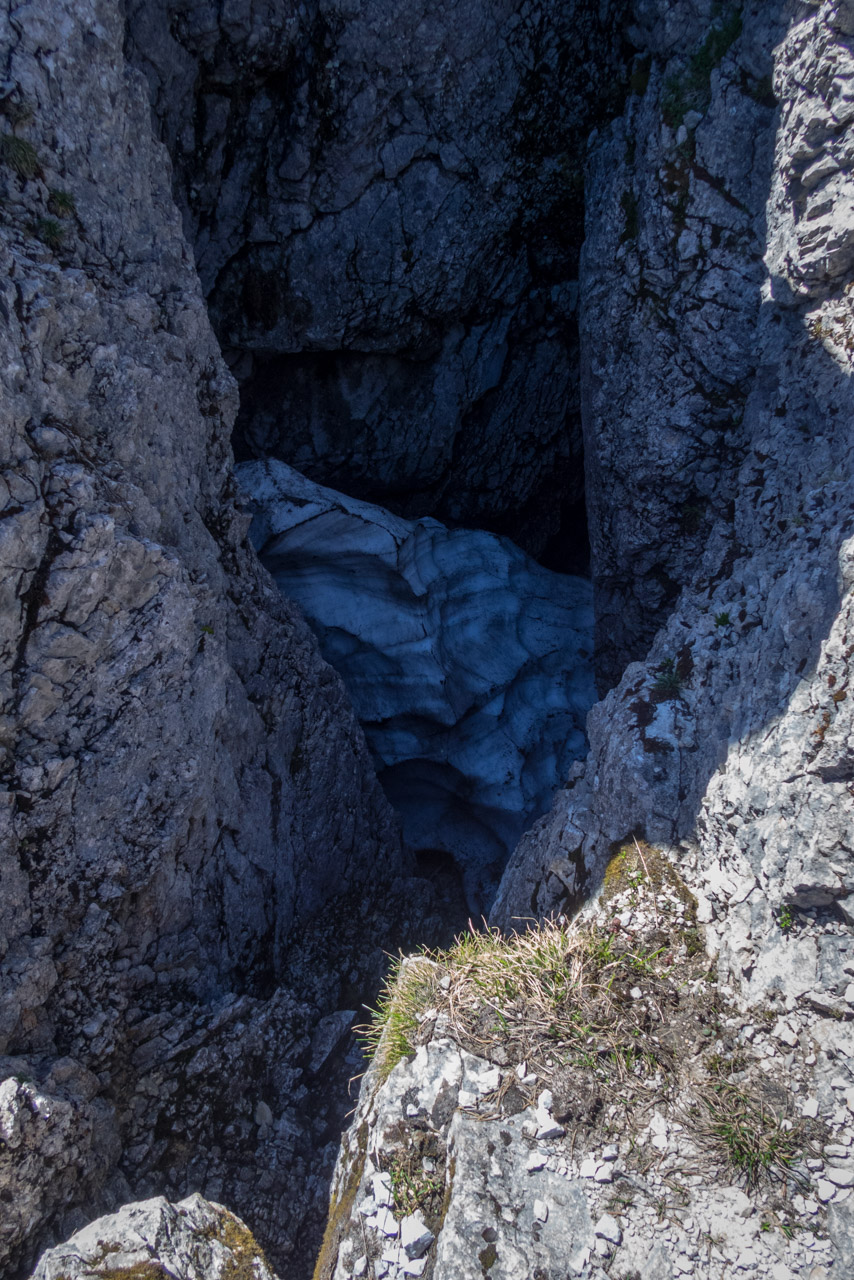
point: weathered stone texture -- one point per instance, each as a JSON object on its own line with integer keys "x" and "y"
{"x": 671, "y": 279}
{"x": 386, "y": 208}
{"x": 182, "y": 780}
{"x": 191, "y": 1240}
{"x": 734, "y": 734}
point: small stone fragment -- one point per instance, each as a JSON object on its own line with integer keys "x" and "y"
{"x": 541, "y": 1210}
{"x": 536, "y": 1161}
{"x": 263, "y": 1114}
{"x": 381, "y": 1183}
{"x": 783, "y": 1031}
{"x": 415, "y": 1236}
{"x": 843, "y": 1177}
{"x": 609, "y": 1229}
{"x": 386, "y": 1222}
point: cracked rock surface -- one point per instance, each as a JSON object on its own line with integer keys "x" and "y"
{"x": 734, "y": 733}
{"x": 183, "y": 783}
{"x": 386, "y": 213}
{"x": 598, "y": 1162}
{"x": 191, "y": 1240}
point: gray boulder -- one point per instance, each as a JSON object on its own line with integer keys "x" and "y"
{"x": 191, "y": 1240}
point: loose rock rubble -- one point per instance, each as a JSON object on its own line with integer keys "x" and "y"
{"x": 580, "y": 1172}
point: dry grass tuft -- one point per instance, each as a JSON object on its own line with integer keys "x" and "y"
{"x": 747, "y": 1136}
{"x": 553, "y": 996}
{"x": 20, "y": 155}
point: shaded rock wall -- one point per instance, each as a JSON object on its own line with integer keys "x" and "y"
{"x": 670, "y": 300}
{"x": 734, "y": 734}
{"x": 183, "y": 783}
{"x": 386, "y": 210}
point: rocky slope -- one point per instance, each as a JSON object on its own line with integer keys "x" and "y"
{"x": 716, "y": 379}
{"x": 586, "y": 1101}
{"x": 734, "y": 733}
{"x": 184, "y": 786}
{"x": 190, "y": 812}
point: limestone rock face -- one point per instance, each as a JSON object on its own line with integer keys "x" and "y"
{"x": 555, "y": 1163}
{"x": 183, "y": 782}
{"x": 191, "y": 1240}
{"x": 386, "y": 209}
{"x": 671, "y": 291}
{"x": 734, "y": 735}
{"x": 56, "y": 1143}
{"x": 468, "y": 663}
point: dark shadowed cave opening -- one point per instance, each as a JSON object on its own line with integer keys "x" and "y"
{"x": 396, "y": 291}
{"x": 291, "y": 402}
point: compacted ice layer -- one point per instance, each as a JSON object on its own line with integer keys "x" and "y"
{"x": 469, "y": 665}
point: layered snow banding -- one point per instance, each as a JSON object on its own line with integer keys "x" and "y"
{"x": 468, "y": 664}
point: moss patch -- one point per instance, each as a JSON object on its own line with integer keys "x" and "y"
{"x": 634, "y": 862}
{"x": 148, "y": 1270}
{"x": 340, "y": 1210}
{"x": 690, "y": 90}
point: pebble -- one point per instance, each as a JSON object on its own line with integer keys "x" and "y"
{"x": 381, "y": 1183}
{"x": 783, "y": 1031}
{"x": 536, "y": 1160}
{"x": 415, "y": 1236}
{"x": 263, "y": 1114}
{"x": 386, "y": 1222}
{"x": 548, "y": 1128}
{"x": 541, "y": 1210}
{"x": 608, "y": 1228}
